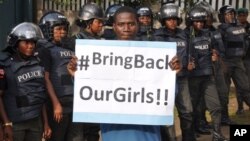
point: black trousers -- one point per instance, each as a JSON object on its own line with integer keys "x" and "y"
{"x": 203, "y": 87}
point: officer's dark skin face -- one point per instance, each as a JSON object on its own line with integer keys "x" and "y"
{"x": 95, "y": 27}
{"x": 26, "y": 48}
{"x": 59, "y": 32}
{"x": 145, "y": 20}
{"x": 171, "y": 24}
{"x": 242, "y": 18}
{"x": 125, "y": 26}
{"x": 198, "y": 25}
{"x": 229, "y": 17}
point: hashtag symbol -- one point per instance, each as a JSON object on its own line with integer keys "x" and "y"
{"x": 84, "y": 62}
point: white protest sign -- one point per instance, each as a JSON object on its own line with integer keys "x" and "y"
{"x": 126, "y": 82}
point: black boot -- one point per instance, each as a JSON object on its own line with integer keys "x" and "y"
{"x": 201, "y": 129}
{"x": 240, "y": 111}
{"x": 239, "y": 101}
{"x": 246, "y": 99}
{"x": 187, "y": 127}
{"x": 218, "y": 137}
{"x": 226, "y": 121}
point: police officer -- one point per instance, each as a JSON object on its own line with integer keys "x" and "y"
{"x": 108, "y": 33}
{"x": 218, "y": 67}
{"x": 54, "y": 57}
{"x": 145, "y": 18}
{"x": 235, "y": 43}
{"x": 23, "y": 91}
{"x": 170, "y": 18}
{"x": 242, "y": 14}
{"x": 202, "y": 83}
{"x": 90, "y": 20}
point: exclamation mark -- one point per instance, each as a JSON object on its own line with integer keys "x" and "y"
{"x": 166, "y": 97}
{"x": 158, "y": 96}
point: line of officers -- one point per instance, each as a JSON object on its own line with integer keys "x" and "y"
{"x": 36, "y": 91}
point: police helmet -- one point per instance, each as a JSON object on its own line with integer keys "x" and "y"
{"x": 51, "y": 19}
{"x": 144, "y": 11}
{"x": 23, "y": 31}
{"x": 170, "y": 10}
{"x": 196, "y": 14}
{"x": 91, "y": 11}
{"x": 208, "y": 8}
{"x": 109, "y": 13}
{"x": 87, "y": 13}
{"x": 223, "y": 10}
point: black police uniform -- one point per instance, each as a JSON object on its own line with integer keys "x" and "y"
{"x": 86, "y": 15}
{"x": 171, "y": 11}
{"x": 24, "y": 94}
{"x": 109, "y": 34}
{"x": 246, "y": 61}
{"x": 235, "y": 43}
{"x": 218, "y": 69}
{"x": 85, "y": 35}
{"x": 91, "y": 130}
{"x": 55, "y": 59}
{"x": 182, "y": 99}
{"x": 201, "y": 78}
{"x": 146, "y": 33}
